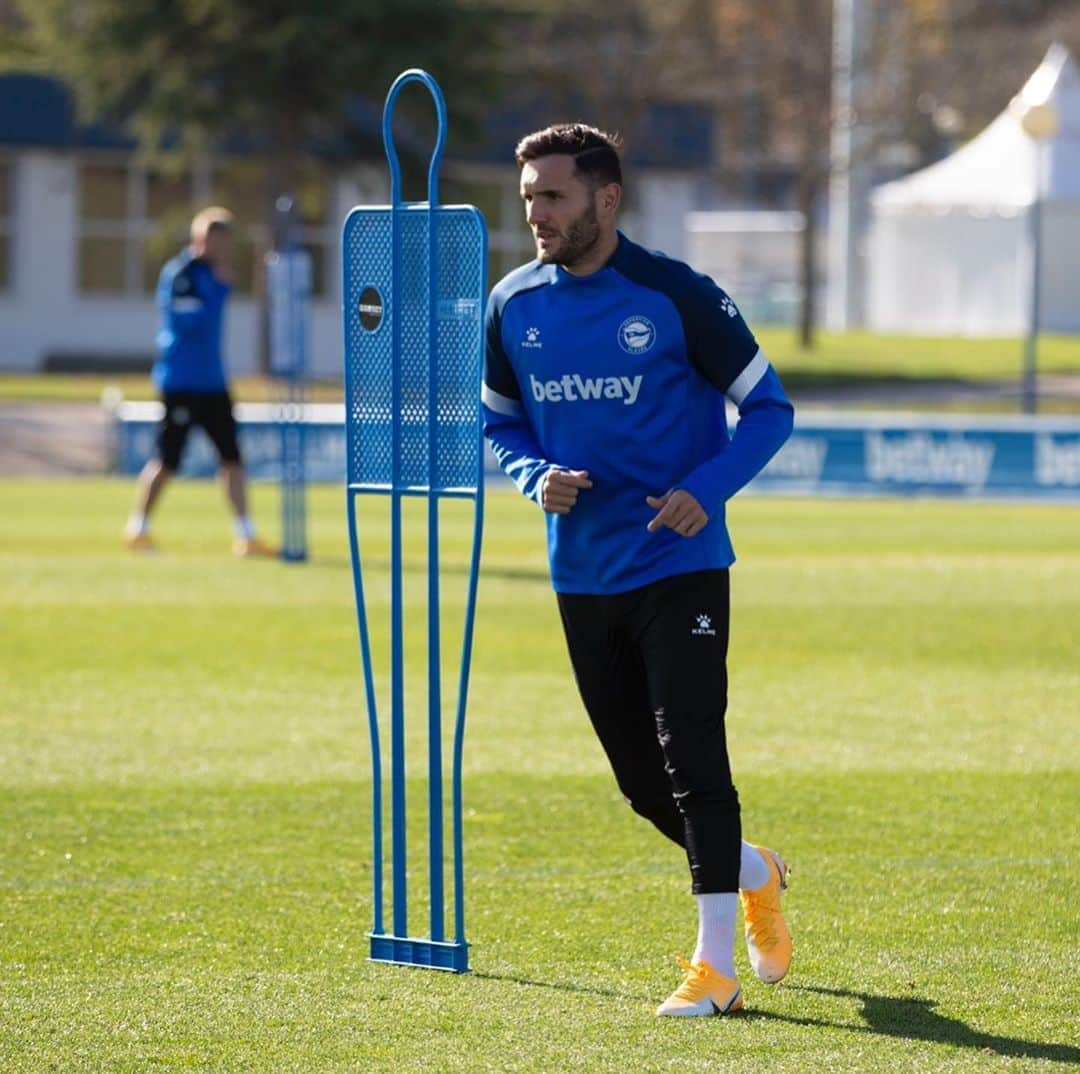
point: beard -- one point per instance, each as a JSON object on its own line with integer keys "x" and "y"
{"x": 581, "y": 235}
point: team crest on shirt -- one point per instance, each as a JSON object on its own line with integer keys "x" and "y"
{"x": 637, "y": 335}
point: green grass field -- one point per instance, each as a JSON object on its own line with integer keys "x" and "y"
{"x": 837, "y": 359}
{"x": 184, "y": 782}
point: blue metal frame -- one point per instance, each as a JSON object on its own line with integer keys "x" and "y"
{"x": 396, "y": 945}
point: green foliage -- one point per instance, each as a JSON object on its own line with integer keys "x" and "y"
{"x": 185, "y": 853}
{"x": 278, "y": 72}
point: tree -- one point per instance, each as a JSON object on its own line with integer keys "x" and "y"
{"x": 947, "y": 67}
{"x": 610, "y": 61}
{"x": 768, "y": 71}
{"x": 940, "y": 70}
{"x": 277, "y": 76}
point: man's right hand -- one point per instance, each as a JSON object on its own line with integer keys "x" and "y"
{"x": 560, "y": 491}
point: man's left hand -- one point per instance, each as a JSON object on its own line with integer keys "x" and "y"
{"x": 679, "y": 511}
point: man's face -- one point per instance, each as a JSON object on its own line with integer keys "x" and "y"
{"x": 217, "y": 247}
{"x": 560, "y": 209}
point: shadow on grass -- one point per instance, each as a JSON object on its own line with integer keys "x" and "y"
{"x": 557, "y": 986}
{"x": 903, "y": 1017}
{"x": 914, "y": 1018}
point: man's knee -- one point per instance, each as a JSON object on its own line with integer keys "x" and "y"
{"x": 158, "y": 469}
{"x": 649, "y": 801}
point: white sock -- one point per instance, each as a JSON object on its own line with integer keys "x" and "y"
{"x": 753, "y": 868}
{"x": 716, "y": 931}
{"x": 244, "y": 528}
{"x": 138, "y": 525}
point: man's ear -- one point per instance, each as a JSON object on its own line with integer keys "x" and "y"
{"x": 608, "y": 198}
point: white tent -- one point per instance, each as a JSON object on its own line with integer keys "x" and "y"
{"x": 950, "y": 247}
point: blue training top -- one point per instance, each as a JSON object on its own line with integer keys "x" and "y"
{"x": 191, "y": 303}
{"x": 624, "y": 373}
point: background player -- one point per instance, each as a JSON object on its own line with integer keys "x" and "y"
{"x": 190, "y": 375}
{"x": 606, "y": 372}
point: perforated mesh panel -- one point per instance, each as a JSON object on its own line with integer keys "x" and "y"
{"x": 370, "y": 355}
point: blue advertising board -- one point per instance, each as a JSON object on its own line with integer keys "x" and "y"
{"x": 887, "y": 454}
{"x": 834, "y": 453}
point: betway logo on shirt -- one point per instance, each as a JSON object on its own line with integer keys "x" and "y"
{"x": 574, "y": 388}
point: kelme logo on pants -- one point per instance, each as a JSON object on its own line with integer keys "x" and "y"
{"x": 574, "y": 388}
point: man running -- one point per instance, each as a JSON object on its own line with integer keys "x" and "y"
{"x": 606, "y": 372}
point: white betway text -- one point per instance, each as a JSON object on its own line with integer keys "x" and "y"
{"x": 924, "y": 459}
{"x": 573, "y": 388}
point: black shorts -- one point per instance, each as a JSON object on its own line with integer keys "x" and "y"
{"x": 211, "y": 410}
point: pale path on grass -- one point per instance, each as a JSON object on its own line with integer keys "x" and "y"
{"x": 53, "y": 438}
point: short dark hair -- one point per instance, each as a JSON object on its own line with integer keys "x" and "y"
{"x": 595, "y": 152}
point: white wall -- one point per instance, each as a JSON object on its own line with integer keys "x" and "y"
{"x": 658, "y": 220}
{"x": 43, "y": 312}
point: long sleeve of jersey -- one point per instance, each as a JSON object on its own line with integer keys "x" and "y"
{"x": 506, "y": 428}
{"x": 766, "y": 418}
{"x": 722, "y": 348}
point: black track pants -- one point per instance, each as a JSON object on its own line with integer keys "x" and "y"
{"x": 651, "y": 667}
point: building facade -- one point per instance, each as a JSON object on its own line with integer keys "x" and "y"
{"x": 86, "y": 224}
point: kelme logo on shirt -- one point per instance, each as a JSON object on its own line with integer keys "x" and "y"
{"x": 574, "y": 388}
{"x": 637, "y": 335}
{"x": 532, "y": 339}
{"x": 704, "y": 627}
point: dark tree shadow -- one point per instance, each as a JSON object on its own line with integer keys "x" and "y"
{"x": 914, "y": 1018}
{"x": 902, "y": 1017}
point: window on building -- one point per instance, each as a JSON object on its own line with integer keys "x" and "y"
{"x": 6, "y": 214}
{"x": 103, "y": 226}
{"x": 133, "y": 219}
{"x": 241, "y": 186}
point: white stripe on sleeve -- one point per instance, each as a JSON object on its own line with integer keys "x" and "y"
{"x": 748, "y": 379}
{"x": 501, "y": 404}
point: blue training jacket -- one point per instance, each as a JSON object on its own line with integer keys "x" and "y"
{"x": 624, "y": 373}
{"x": 191, "y": 304}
